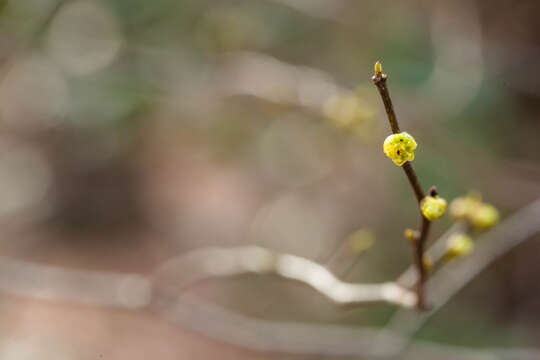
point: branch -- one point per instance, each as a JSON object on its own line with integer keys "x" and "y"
{"x": 379, "y": 79}
{"x": 191, "y": 313}
{"x": 413, "y": 180}
{"x": 52, "y": 283}
{"x": 341, "y": 261}
{"x": 454, "y": 276}
{"x": 201, "y": 264}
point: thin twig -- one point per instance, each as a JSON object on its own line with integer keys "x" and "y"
{"x": 379, "y": 79}
{"x": 419, "y": 260}
{"x": 413, "y": 180}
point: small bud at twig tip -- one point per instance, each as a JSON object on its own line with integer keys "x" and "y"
{"x": 433, "y": 191}
{"x": 378, "y": 68}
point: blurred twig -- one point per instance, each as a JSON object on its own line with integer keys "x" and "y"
{"x": 207, "y": 263}
{"x": 22, "y": 278}
{"x": 261, "y": 76}
{"x": 333, "y": 341}
{"x": 341, "y": 261}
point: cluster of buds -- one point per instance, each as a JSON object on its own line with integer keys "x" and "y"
{"x": 479, "y": 214}
{"x": 400, "y": 148}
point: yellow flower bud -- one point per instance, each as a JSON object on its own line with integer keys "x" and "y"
{"x": 400, "y": 148}
{"x": 433, "y": 207}
{"x": 411, "y": 235}
{"x": 459, "y": 245}
{"x": 427, "y": 261}
{"x": 459, "y": 208}
{"x": 480, "y": 214}
{"x": 463, "y": 207}
{"x": 484, "y": 216}
{"x": 360, "y": 241}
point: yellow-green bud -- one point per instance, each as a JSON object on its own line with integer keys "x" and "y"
{"x": 459, "y": 245}
{"x": 378, "y": 68}
{"x": 459, "y": 207}
{"x": 360, "y": 241}
{"x": 411, "y": 235}
{"x": 433, "y": 207}
{"x": 427, "y": 262}
{"x": 463, "y": 207}
{"x": 400, "y": 148}
{"x": 480, "y": 214}
{"x": 484, "y": 216}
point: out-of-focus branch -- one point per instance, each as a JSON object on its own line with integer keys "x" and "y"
{"x": 208, "y": 263}
{"x": 261, "y": 76}
{"x": 265, "y": 77}
{"x": 53, "y": 283}
{"x": 44, "y": 282}
{"x": 334, "y": 341}
{"x": 192, "y": 313}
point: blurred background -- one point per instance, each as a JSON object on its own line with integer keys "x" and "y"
{"x": 134, "y": 131}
